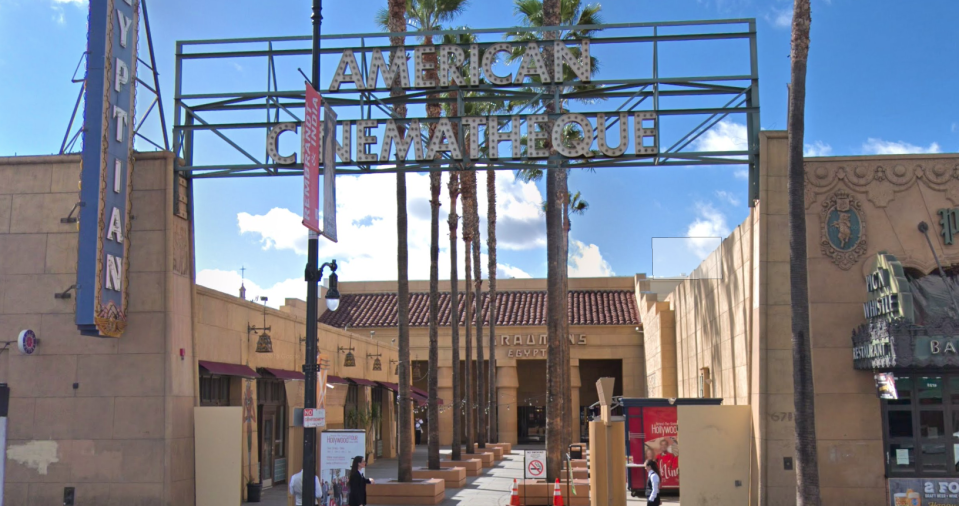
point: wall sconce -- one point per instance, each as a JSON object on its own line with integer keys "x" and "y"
{"x": 263, "y": 343}
{"x": 349, "y": 360}
{"x": 377, "y": 365}
{"x": 396, "y": 370}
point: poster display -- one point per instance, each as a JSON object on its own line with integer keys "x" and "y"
{"x": 534, "y": 464}
{"x": 337, "y": 449}
{"x": 661, "y": 443}
{"x": 923, "y": 491}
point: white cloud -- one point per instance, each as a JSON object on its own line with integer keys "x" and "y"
{"x": 780, "y": 18}
{"x": 586, "y": 261}
{"x": 366, "y": 219}
{"x": 506, "y": 271}
{"x": 874, "y": 146}
{"x": 817, "y": 148}
{"x": 709, "y": 223}
{"x": 728, "y": 197}
{"x": 723, "y": 136}
{"x": 741, "y": 174}
{"x": 229, "y": 282}
{"x": 58, "y": 15}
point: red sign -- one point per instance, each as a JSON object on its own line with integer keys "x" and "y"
{"x": 311, "y": 160}
{"x": 536, "y": 468}
{"x": 661, "y": 443}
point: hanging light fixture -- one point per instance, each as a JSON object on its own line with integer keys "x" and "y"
{"x": 263, "y": 343}
{"x": 377, "y": 365}
{"x": 396, "y": 370}
{"x": 349, "y": 360}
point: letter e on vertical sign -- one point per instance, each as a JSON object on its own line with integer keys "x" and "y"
{"x": 109, "y": 124}
{"x": 329, "y": 173}
{"x": 311, "y": 160}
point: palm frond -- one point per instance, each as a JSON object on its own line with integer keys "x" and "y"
{"x": 383, "y": 19}
{"x": 531, "y": 11}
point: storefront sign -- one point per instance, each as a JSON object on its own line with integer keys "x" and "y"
{"x": 949, "y": 223}
{"x": 107, "y": 159}
{"x": 889, "y": 294}
{"x": 532, "y": 346}
{"x": 923, "y": 491}
{"x": 337, "y": 449}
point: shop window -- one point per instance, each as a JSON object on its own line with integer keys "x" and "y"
{"x": 921, "y": 427}
{"x": 214, "y": 390}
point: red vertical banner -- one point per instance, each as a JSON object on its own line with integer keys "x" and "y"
{"x": 311, "y": 160}
{"x": 637, "y": 475}
{"x": 662, "y": 443}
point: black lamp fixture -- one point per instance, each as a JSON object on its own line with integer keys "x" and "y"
{"x": 377, "y": 365}
{"x": 332, "y": 294}
{"x": 350, "y": 359}
{"x": 263, "y": 343}
{"x": 396, "y": 370}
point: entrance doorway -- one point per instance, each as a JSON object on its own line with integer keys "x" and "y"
{"x": 532, "y": 425}
{"x": 271, "y": 430}
{"x": 531, "y": 402}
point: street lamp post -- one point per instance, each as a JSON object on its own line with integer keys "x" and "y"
{"x": 313, "y": 277}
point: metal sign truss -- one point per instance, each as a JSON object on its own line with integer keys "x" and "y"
{"x": 217, "y": 132}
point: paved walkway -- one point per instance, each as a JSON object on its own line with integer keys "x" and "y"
{"x": 492, "y": 488}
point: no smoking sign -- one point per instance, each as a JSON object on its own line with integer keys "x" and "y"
{"x": 535, "y": 464}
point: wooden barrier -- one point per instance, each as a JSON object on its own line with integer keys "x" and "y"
{"x": 454, "y": 477}
{"x": 429, "y": 492}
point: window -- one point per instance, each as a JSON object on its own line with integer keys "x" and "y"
{"x": 922, "y": 426}
{"x": 214, "y": 390}
{"x": 352, "y": 403}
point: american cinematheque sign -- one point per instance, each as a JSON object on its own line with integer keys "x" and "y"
{"x": 891, "y": 339}
{"x": 464, "y": 69}
{"x": 107, "y": 163}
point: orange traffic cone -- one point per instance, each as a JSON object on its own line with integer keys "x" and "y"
{"x": 514, "y": 495}
{"x": 557, "y": 495}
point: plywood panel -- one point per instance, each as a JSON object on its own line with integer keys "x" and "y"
{"x": 218, "y": 432}
{"x": 714, "y": 462}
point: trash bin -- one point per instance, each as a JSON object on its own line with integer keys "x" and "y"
{"x": 577, "y": 452}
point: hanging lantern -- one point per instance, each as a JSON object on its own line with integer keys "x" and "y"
{"x": 264, "y": 344}
{"x": 417, "y": 372}
{"x": 350, "y": 360}
{"x": 377, "y": 365}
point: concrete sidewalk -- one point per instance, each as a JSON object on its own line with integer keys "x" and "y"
{"x": 489, "y": 489}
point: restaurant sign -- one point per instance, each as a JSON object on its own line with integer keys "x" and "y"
{"x": 533, "y": 346}
{"x": 889, "y": 294}
{"x": 106, "y": 166}
{"x": 923, "y": 491}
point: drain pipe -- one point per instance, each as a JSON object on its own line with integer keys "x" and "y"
{"x": 924, "y": 228}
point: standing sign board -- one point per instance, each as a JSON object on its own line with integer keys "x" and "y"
{"x": 106, "y": 164}
{"x": 534, "y": 464}
{"x": 311, "y": 160}
{"x": 337, "y": 449}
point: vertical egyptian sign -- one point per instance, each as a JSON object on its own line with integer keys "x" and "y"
{"x": 311, "y": 160}
{"x": 329, "y": 172}
{"x": 107, "y": 163}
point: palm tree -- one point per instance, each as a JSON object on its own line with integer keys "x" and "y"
{"x": 569, "y": 14}
{"x": 454, "y": 190}
{"x": 491, "y": 398}
{"x": 397, "y": 24}
{"x": 468, "y": 187}
{"x": 807, "y": 468}
{"x": 478, "y": 298}
{"x": 426, "y": 16}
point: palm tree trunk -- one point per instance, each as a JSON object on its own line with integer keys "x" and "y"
{"x": 807, "y": 468}
{"x": 556, "y": 314}
{"x": 455, "y": 321}
{"x": 397, "y": 9}
{"x": 433, "y": 410}
{"x": 478, "y": 287}
{"x": 569, "y": 409}
{"x": 492, "y": 398}
{"x": 467, "y": 243}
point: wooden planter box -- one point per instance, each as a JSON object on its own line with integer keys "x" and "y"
{"x": 454, "y": 477}
{"x": 577, "y": 464}
{"x": 540, "y": 493}
{"x": 497, "y": 452}
{"x": 488, "y": 458}
{"x": 506, "y": 447}
{"x": 429, "y": 492}
{"x": 473, "y": 467}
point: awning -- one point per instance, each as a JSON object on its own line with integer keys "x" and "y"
{"x": 390, "y": 386}
{"x": 424, "y": 393}
{"x": 223, "y": 369}
{"x": 362, "y": 382}
{"x": 336, "y": 380}
{"x": 283, "y": 374}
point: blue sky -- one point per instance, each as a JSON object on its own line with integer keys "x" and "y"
{"x": 881, "y": 80}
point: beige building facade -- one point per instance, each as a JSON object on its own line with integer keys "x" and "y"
{"x": 113, "y": 418}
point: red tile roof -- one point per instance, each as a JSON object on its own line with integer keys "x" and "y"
{"x": 515, "y": 308}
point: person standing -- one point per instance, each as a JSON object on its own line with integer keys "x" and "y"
{"x": 419, "y": 430}
{"x": 358, "y": 482}
{"x": 652, "y": 483}
{"x": 296, "y": 487}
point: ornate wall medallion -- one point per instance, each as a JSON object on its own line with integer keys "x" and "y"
{"x": 843, "y": 229}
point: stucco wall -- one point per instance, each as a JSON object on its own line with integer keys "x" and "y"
{"x": 124, "y": 435}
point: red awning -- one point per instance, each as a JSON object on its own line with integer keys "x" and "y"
{"x": 362, "y": 382}
{"x": 223, "y": 369}
{"x": 284, "y": 374}
{"x": 424, "y": 393}
{"x": 336, "y": 380}
{"x": 420, "y": 400}
{"x": 391, "y": 386}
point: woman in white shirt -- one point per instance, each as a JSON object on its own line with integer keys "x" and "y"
{"x": 652, "y": 483}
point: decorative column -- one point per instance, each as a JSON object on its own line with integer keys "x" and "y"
{"x": 445, "y": 392}
{"x": 574, "y": 385}
{"x": 507, "y": 389}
